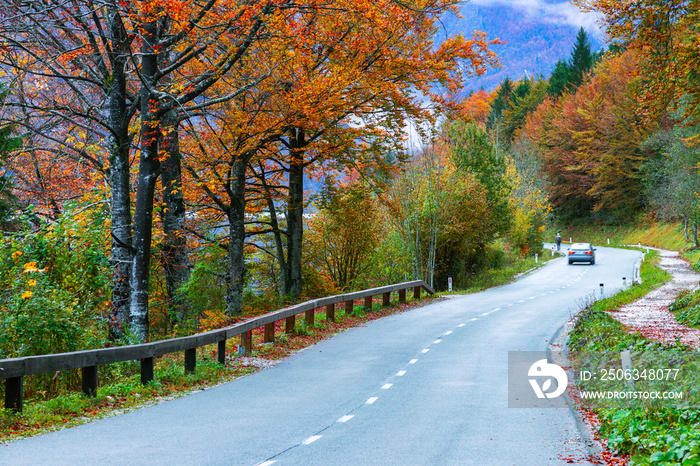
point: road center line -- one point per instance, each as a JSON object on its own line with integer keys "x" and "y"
{"x": 311, "y": 440}
{"x": 266, "y": 463}
{"x": 413, "y": 361}
{"x": 400, "y": 373}
{"x": 371, "y": 400}
{"x": 387, "y": 386}
{"x": 437, "y": 341}
{"x": 346, "y": 418}
{"x": 425, "y": 350}
{"x": 448, "y": 332}
{"x": 461, "y": 325}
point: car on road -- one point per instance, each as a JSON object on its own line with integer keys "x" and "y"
{"x": 581, "y": 252}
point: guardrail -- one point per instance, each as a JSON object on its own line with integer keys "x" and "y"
{"x": 13, "y": 370}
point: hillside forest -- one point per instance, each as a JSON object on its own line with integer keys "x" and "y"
{"x": 155, "y": 155}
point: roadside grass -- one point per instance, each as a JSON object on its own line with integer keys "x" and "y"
{"x": 687, "y": 308}
{"x": 664, "y": 435}
{"x": 124, "y": 392}
{"x": 514, "y": 266}
{"x": 655, "y": 234}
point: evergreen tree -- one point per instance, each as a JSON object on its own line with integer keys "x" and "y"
{"x": 500, "y": 103}
{"x": 559, "y": 79}
{"x": 582, "y": 59}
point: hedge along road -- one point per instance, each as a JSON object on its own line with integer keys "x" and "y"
{"x": 428, "y": 386}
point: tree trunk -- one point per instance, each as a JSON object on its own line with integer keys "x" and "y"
{"x": 145, "y": 188}
{"x": 119, "y": 180}
{"x": 235, "y": 275}
{"x": 274, "y": 225}
{"x": 295, "y": 213}
{"x": 174, "y": 254}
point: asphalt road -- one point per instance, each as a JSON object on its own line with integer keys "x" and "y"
{"x": 425, "y": 387}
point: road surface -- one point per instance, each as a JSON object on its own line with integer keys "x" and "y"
{"x": 425, "y": 387}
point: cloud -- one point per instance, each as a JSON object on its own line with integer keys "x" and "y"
{"x": 558, "y": 12}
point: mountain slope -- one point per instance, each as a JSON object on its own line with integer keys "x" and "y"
{"x": 536, "y": 34}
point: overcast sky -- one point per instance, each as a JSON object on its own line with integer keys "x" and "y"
{"x": 557, "y": 12}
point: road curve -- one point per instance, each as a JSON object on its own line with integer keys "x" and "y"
{"x": 428, "y": 386}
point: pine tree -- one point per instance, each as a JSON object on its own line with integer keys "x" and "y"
{"x": 559, "y": 79}
{"x": 500, "y": 103}
{"x": 581, "y": 60}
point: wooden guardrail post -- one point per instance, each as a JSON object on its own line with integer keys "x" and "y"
{"x": 14, "y": 393}
{"x": 402, "y": 295}
{"x": 190, "y": 360}
{"x": 289, "y": 324}
{"x": 247, "y": 341}
{"x": 269, "y": 336}
{"x": 89, "y": 376}
{"x": 309, "y": 315}
{"x": 146, "y": 370}
{"x": 330, "y": 312}
{"x": 348, "y": 307}
{"x": 368, "y": 303}
{"x": 221, "y": 351}
{"x": 386, "y": 299}
{"x": 416, "y": 292}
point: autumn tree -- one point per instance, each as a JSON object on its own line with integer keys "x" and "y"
{"x": 666, "y": 33}
{"x": 672, "y": 177}
{"x": 173, "y": 55}
{"x": 344, "y": 232}
{"x": 591, "y": 143}
{"x": 472, "y": 152}
{"x": 438, "y": 212}
{"x": 327, "y": 109}
{"x": 73, "y": 94}
{"x": 475, "y": 107}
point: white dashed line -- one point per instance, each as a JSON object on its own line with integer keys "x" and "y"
{"x": 413, "y": 361}
{"x": 497, "y": 309}
{"x": 400, "y": 373}
{"x": 387, "y": 386}
{"x": 474, "y": 319}
{"x": 510, "y": 305}
{"x": 531, "y": 297}
{"x": 521, "y": 301}
{"x": 371, "y": 400}
{"x": 437, "y": 341}
{"x": 346, "y": 418}
{"x": 484, "y": 314}
{"x": 461, "y": 325}
{"x": 448, "y": 332}
{"x": 311, "y": 440}
{"x": 425, "y": 350}
{"x": 266, "y": 463}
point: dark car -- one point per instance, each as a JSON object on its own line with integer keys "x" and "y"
{"x": 581, "y": 252}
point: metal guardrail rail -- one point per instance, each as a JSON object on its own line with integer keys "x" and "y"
{"x": 13, "y": 370}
